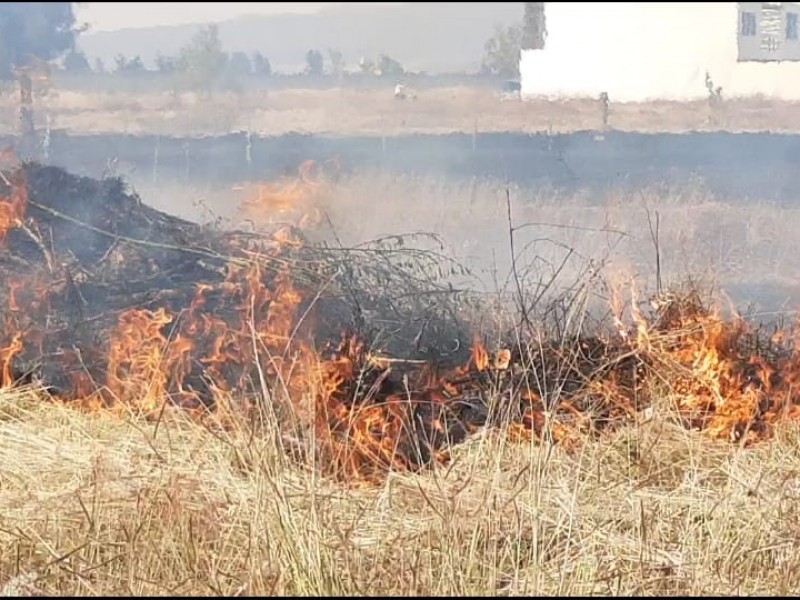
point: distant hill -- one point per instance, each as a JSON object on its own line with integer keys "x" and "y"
{"x": 426, "y": 36}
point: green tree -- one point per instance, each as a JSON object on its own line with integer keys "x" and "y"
{"x": 238, "y": 68}
{"x": 389, "y": 67}
{"x": 366, "y": 66}
{"x": 127, "y": 66}
{"x": 261, "y": 65}
{"x": 202, "y": 61}
{"x": 240, "y": 65}
{"x": 166, "y": 64}
{"x": 315, "y": 63}
{"x": 534, "y": 30}
{"x": 34, "y": 30}
{"x": 337, "y": 62}
{"x": 502, "y": 52}
{"x": 76, "y": 62}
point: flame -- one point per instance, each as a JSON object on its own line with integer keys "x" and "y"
{"x": 136, "y": 372}
{"x": 13, "y": 205}
{"x": 725, "y": 380}
{"x": 483, "y": 361}
{"x": 7, "y": 354}
{"x": 296, "y": 199}
{"x": 251, "y": 335}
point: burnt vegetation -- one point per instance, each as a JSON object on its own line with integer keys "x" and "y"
{"x": 372, "y": 352}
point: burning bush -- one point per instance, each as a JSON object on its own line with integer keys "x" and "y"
{"x": 110, "y": 303}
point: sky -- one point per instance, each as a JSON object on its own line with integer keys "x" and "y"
{"x": 110, "y": 16}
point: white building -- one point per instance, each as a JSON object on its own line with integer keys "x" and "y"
{"x": 662, "y": 50}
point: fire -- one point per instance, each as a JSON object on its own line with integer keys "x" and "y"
{"x": 7, "y": 355}
{"x": 483, "y": 361}
{"x": 136, "y": 373}
{"x": 157, "y": 357}
{"x": 722, "y": 382}
{"x": 251, "y": 333}
{"x": 364, "y": 428}
{"x": 294, "y": 199}
{"x": 13, "y": 205}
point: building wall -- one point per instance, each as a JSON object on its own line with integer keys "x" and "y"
{"x": 769, "y": 42}
{"x": 648, "y": 50}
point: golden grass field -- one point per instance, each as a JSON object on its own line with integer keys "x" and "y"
{"x": 94, "y": 503}
{"x": 376, "y": 112}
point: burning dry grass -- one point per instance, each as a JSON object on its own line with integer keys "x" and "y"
{"x": 642, "y": 492}
{"x": 91, "y": 505}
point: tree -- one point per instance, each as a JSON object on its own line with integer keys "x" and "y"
{"x": 261, "y": 65}
{"x": 314, "y": 63}
{"x": 166, "y": 64}
{"x": 126, "y": 66}
{"x": 76, "y": 62}
{"x": 389, "y": 67}
{"x": 202, "y": 60}
{"x": 502, "y": 52}
{"x": 34, "y": 30}
{"x": 366, "y": 66}
{"x": 240, "y": 65}
{"x": 337, "y": 62}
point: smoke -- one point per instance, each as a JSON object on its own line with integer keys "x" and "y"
{"x": 747, "y": 250}
{"x": 34, "y": 30}
{"x": 744, "y": 250}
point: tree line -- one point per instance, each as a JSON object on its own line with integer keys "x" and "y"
{"x": 32, "y": 32}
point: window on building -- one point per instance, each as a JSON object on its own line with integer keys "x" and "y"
{"x": 791, "y": 26}
{"x": 748, "y": 26}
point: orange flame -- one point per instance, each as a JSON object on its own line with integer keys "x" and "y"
{"x": 296, "y": 199}
{"x": 13, "y": 206}
{"x": 365, "y": 423}
{"x": 7, "y": 355}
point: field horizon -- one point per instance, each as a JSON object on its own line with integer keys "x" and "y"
{"x": 134, "y": 109}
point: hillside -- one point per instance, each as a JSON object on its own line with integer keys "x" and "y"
{"x": 425, "y": 36}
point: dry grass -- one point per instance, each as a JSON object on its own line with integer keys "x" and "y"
{"x": 94, "y": 504}
{"x": 375, "y": 112}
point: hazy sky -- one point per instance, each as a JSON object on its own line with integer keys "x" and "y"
{"x": 108, "y": 16}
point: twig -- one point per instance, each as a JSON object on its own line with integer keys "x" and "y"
{"x": 38, "y": 241}
{"x": 573, "y": 228}
{"x": 148, "y": 244}
{"x": 654, "y": 236}
{"x": 521, "y": 298}
{"x": 380, "y": 361}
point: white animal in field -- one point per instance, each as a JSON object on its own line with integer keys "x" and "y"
{"x": 402, "y": 93}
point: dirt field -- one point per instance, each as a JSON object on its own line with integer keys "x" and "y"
{"x": 376, "y": 112}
